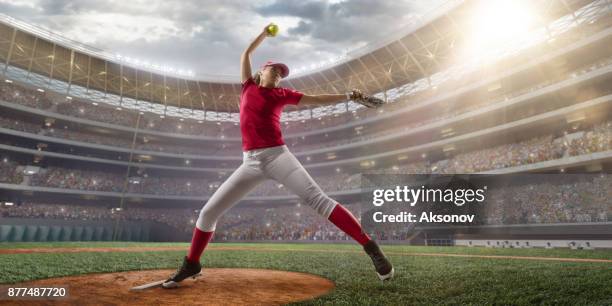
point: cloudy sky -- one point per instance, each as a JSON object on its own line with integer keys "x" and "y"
{"x": 208, "y": 36}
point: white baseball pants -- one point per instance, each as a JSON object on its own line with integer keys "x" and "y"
{"x": 275, "y": 163}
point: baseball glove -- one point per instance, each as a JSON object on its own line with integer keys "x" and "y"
{"x": 365, "y": 100}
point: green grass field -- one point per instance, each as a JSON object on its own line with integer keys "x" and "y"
{"x": 423, "y": 280}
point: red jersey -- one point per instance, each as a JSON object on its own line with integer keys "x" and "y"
{"x": 260, "y": 111}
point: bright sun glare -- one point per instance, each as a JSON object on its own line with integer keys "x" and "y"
{"x": 496, "y": 22}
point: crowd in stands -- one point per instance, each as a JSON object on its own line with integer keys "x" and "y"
{"x": 172, "y": 186}
{"x": 587, "y": 200}
{"x": 86, "y": 110}
{"x": 503, "y": 156}
{"x": 19, "y": 125}
{"x": 181, "y": 219}
{"x": 9, "y": 172}
{"x": 11, "y": 92}
{"x": 142, "y": 143}
{"x": 114, "y": 182}
{"x": 296, "y": 222}
{"x": 288, "y": 222}
{"x": 542, "y": 203}
{"x": 150, "y": 121}
{"x": 545, "y": 202}
{"x": 32, "y": 97}
{"x": 431, "y": 93}
{"x": 57, "y": 177}
{"x": 539, "y": 149}
{"x": 596, "y": 140}
{"x": 444, "y": 115}
{"x": 78, "y": 179}
{"x": 75, "y": 107}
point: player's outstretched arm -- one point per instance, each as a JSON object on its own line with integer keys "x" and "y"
{"x": 245, "y": 58}
{"x": 354, "y": 95}
{"x": 322, "y": 99}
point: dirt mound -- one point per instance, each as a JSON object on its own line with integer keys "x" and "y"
{"x": 214, "y": 287}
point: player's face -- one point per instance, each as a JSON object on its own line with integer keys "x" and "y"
{"x": 270, "y": 76}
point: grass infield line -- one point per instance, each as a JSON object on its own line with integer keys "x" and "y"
{"x": 214, "y": 248}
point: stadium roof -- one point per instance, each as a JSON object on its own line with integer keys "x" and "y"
{"x": 418, "y": 52}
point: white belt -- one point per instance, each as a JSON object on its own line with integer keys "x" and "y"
{"x": 258, "y": 152}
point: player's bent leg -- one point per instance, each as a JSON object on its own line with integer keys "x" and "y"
{"x": 287, "y": 170}
{"x": 237, "y": 185}
{"x": 241, "y": 182}
{"x": 346, "y": 221}
{"x": 343, "y": 219}
{"x": 199, "y": 241}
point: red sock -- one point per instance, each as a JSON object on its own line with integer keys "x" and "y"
{"x": 199, "y": 241}
{"x": 345, "y": 221}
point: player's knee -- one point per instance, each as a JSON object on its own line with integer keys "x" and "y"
{"x": 206, "y": 225}
{"x": 321, "y": 203}
{"x": 207, "y": 222}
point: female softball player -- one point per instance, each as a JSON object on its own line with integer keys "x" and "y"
{"x": 266, "y": 156}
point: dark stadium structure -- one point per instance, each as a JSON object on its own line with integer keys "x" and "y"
{"x": 93, "y": 148}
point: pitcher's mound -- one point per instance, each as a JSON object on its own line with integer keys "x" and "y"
{"x": 214, "y": 286}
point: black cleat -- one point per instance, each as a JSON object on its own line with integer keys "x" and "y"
{"x": 188, "y": 269}
{"x": 383, "y": 267}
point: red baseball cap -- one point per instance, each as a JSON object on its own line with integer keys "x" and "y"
{"x": 284, "y": 70}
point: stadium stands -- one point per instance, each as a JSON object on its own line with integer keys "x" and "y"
{"x": 567, "y": 69}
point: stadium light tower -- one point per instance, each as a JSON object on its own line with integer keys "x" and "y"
{"x": 496, "y": 22}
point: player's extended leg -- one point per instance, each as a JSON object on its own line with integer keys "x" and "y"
{"x": 287, "y": 170}
{"x": 241, "y": 182}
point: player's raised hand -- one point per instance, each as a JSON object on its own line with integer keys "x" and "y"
{"x": 270, "y": 30}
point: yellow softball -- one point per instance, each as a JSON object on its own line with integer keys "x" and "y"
{"x": 272, "y": 29}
